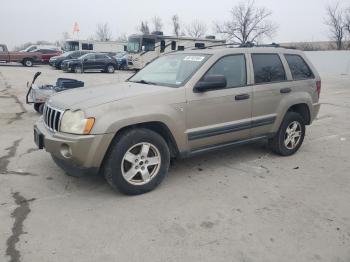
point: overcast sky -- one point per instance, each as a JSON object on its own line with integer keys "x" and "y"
{"x": 22, "y": 21}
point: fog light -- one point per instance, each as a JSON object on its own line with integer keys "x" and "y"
{"x": 66, "y": 151}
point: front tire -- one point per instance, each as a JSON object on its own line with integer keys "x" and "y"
{"x": 39, "y": 107}
{"x": 58, "y": 66}
{"x": 290, "y": 135}
{"x": 137, "y": 161}
{"x": 78, "y": 69}
{"x": 28, "y": 62}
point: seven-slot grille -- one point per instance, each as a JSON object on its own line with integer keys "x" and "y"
{"x": 52, "y": 118}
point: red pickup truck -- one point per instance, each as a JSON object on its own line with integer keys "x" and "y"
{"x": 25, "y": 58}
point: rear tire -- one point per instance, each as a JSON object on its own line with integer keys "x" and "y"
{"x": 290, "y": 135}
{"x": 28, "y": 62}
{"x": 110, "y": 69}
{"x": 137, "y": 161}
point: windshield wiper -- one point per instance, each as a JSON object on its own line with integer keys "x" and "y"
{"x": 145, "y": 82}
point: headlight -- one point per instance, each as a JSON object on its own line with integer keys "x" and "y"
{"x": 75, "y": 122}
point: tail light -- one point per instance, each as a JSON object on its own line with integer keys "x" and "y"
{"x": 318, "y": 87}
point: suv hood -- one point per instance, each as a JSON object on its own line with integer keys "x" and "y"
{"x": 87, "y": 97}
{"x": 55, "y": 57}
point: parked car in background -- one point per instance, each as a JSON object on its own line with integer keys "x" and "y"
{"x": 34, "y": 48}
{"x": 56, "y": 61}
{"x": 25, "y": 58}
{"x": 122, "y": 60}
{"x": 46, "y": 54}
{"x": 88, "y": 62}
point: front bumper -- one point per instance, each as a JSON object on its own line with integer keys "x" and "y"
{"x": 65, "y": 67}
{"x": 76, "y": 154}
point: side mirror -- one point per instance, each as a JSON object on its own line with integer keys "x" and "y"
{"x": 210, "y": 82}
{"x": 85, "y": 60}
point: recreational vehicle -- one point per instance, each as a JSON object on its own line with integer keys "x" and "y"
{"x": 95, "y": 46}
{"x": 143, "y": 49}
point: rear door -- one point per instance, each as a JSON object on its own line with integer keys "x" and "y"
{"x": 270, "y": 85}
{"x": 100, "y": 62}
{"x": 220, "y": 116}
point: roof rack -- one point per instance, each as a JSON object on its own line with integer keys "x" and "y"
{"x": 245, "y": 45}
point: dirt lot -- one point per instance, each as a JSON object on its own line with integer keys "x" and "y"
{"x": 243, "y": 204}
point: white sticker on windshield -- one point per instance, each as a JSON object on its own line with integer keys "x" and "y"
{"x": 194, "y": 58}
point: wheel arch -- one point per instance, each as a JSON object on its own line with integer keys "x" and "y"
{"x": 302, "y": 109}
{"x": 156, "y": 126}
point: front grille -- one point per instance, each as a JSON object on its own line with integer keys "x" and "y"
{"x": 52, "y": 118}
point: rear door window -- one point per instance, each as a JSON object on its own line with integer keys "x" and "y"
{"x": 99, "y": 56}
{"x": 298, "y": 67}
{"x": 268, "y": 68}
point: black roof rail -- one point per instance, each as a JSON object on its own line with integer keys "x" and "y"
{"x": 236, "y": 45}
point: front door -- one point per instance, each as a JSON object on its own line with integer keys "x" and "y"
{"x": 223, "y": 115}
{"x": 89, "y": 62}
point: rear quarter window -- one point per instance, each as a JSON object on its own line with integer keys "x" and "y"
{"x": 298, "y": 67}
{"x": 268, "y": 68}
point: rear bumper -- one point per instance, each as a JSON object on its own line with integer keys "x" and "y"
{"x": 76, "y": 154}
{"x": 315, "y": 110}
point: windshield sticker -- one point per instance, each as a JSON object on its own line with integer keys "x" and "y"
{"x": 194, "y": 58}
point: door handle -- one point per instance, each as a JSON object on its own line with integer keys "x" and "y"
{"x": 242, "y": 97}
{"x": 285, "y": 90}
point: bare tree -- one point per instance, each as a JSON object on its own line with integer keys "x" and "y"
{"x": 347, "y": 20}
{"x": 143, "y": 28}
{"x": 196, "y": 29}
{"x": 122, "y": 38}
{"x": 176, "y": 24}
{"x": 103, "y": 33}
{"x": 248, "y": 24}
{"x": 157, "y": 23}
{"x": 65, "y": 36}
{"x": 336, "y": 22}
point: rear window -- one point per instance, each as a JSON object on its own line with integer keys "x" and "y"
{"x": 298, "y": 67}
{"x": 268, "y": 68}
{"x": 76, "y": 54}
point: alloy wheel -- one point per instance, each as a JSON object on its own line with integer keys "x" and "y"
{"x": 141, "y": 163}
{"x": 293, "y": 135}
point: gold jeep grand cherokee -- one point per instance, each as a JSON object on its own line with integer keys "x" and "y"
{"x": 181, "y": 104}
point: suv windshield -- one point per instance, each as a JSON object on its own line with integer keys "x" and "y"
{"x": 67, "y": 53}
{"x": 170, "y": 70}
